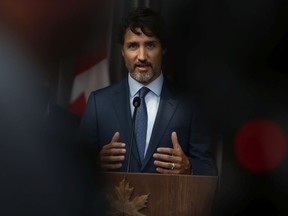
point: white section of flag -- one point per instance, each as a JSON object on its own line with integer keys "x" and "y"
{"x": 92, "y": 79}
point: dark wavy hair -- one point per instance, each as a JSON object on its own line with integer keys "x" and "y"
{"x": 149, "y": 21}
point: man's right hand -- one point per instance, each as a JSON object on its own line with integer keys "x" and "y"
{"x": 112, "y": 154}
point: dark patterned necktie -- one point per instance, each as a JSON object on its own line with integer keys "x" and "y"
{"x": 141, "y": 123}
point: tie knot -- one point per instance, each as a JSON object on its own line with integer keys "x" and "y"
{"x": 143, "y": 91}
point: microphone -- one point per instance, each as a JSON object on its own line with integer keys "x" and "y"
{"x": 136, "y": 104}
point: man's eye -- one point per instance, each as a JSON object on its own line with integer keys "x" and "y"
{"x": 132, "y": 46}
{"x": 150, "y": 45}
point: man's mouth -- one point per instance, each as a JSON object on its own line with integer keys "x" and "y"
{"x": 144, "y": 66}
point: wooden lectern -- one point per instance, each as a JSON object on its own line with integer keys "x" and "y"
{"x": 142, "y": 194}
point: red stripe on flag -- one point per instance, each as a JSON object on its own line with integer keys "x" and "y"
{"x": 78, "y": 106}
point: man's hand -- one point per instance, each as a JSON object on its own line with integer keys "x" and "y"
{"x": 112, "y": 154}
{"x": 174, "y": 161}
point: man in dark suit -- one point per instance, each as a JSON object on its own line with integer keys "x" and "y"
{"x": 173, "y": 138}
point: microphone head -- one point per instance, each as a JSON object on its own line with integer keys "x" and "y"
{"x": 136, "y": 102}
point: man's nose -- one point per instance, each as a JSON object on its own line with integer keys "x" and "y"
{"x": 142, "y": 55}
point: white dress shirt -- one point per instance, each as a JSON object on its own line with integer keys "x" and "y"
{"x": 152, "y": 101}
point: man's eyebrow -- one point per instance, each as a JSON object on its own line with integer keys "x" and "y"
{"x": 145, "y": 42}
{"x": 151, "y": 41}
{"x": 132, "y": 42}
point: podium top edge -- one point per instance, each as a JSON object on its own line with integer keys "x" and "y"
{"x": 157, "y": 174}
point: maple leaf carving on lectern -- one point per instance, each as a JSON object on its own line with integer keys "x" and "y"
{"x": 123, "y": 204}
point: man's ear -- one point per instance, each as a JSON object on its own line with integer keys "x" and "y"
{"x": 164, "y": 51}
{"x": 122, "y": 51}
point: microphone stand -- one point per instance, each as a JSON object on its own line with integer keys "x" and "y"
{"x": 136, "y": 104}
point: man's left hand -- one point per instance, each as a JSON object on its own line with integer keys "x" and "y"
{"x": 173, "y": 160}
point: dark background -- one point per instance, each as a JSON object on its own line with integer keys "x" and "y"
{"x": 231, "y": 53}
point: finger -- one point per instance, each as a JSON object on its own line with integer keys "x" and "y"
{"x": 113, "y": 148}
{"x": 113, "y": 151}
{"x": 167, "y": 171}
{"x": 166, "y": 150}
{"x": 114, "y": 145}
{"x": 165, "y": 157}
{"x": 174, "y": 139}
{"x": 166, "y": 165}
{"x": 116, "y": 151}
{"x": 112, "y": 158}
{"x": 115, "y": 137}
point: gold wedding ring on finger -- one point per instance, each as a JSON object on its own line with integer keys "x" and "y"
{"x": 172, "y": 166}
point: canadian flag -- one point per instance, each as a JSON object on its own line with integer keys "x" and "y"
{"x": 91, "y": 74}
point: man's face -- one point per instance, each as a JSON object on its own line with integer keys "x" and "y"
{"x": 143, "y": 56}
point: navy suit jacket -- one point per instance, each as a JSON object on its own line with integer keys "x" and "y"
{"x": 108, "y": 111}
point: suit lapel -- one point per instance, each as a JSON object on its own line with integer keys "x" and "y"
{"x": 167, "y": 107}
{"x": 121, "y": 101}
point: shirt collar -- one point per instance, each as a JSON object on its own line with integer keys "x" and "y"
{"x": 155, "y": 86}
